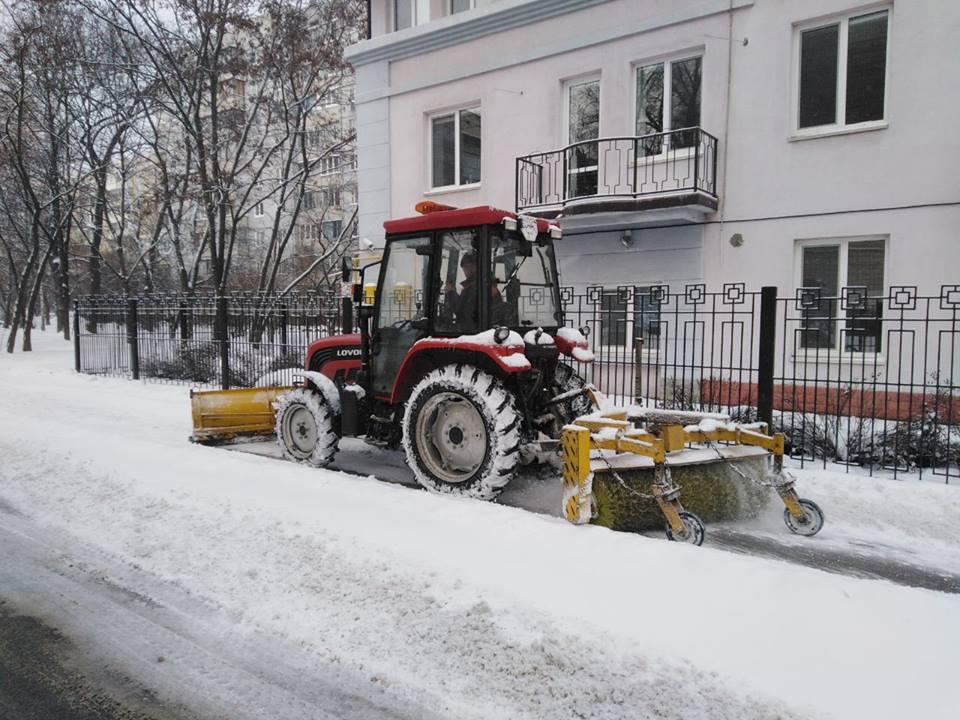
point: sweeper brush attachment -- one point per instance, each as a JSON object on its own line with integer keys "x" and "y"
{"x": 626, "y": 469}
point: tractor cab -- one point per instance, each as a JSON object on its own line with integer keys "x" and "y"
{"x": 451, "y": 274}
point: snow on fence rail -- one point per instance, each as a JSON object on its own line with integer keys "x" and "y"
{"x": 858, "y": 378}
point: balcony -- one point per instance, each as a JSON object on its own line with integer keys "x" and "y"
{"x": 621, "y": 174}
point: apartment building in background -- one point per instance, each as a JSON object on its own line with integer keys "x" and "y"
{"x": 760, "y": 142}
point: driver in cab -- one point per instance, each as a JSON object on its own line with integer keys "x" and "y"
{"x": 463, "y": 305}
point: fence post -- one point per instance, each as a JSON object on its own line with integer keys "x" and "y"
{"x": 284, "y": 320}
{"x": 767, "y": 353}
{"x": 76, "y": 335}
{"x": 223, "y": 338}
{"x": 133, "y": 338}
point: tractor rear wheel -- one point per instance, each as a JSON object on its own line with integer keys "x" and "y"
{"x": 305, "y": 428}
{"x": 461, "y": 432}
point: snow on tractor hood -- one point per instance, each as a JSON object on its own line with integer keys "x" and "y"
{"x": 572, "y": 342}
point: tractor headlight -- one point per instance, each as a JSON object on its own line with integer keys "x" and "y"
{"x": 585, "y": 331}
{"x": 501, "y": 334}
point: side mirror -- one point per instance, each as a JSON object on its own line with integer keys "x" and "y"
{"x": 357, "y": 294}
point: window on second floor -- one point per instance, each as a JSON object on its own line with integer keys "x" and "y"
{"x": 583, "y": 124}
{"x": 842, "y": 69}
{"x": 461, "y": 5}
{"x": 259, "y": 210}
{"x": 668, "y": 98}
{"x": 455, "y": 148}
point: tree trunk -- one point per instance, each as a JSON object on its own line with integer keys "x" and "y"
{"x": 32, "y": 302}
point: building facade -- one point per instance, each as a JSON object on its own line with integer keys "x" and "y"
{"x": 716, "y": 141}
{"x": 702, "y": 143}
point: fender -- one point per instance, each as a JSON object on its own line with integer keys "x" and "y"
{"x": 325, "y": 387}
{"x": 337, "y": 357}
{"x": 508, "y": 357}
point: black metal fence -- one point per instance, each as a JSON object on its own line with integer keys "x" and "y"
{"x": 618, "y": 167}
{"x": 236, "y": 340}
{"x": 860, "y": 380}
{"x": 866, "y": 381}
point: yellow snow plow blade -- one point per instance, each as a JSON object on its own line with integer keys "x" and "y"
{"x": 226, "y": 414}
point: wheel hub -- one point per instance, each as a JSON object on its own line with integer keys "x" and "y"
{"x": 302, "y": 431}
{"x": 452, "y": 437}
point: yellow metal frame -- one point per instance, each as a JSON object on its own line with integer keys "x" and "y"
{"x": 588, "y": 433}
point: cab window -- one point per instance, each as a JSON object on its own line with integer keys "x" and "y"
{"x": 456, "y": 290}
{"x": 404, "y": 281}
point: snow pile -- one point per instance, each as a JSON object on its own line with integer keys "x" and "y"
{"x": 709, "y": 425}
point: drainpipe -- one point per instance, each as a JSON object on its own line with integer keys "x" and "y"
{"x": 369, "y": 21}
{"x": 726, "y": 127}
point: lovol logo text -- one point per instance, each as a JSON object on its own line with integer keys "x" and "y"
{"x": 348, "y": 353}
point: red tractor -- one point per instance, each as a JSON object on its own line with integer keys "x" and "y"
{"x": 462, "y": 359}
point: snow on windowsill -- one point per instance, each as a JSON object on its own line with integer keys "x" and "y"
{"x": 833, "y": 130}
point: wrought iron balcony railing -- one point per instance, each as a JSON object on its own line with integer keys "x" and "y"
{"x": 677, "y": 162}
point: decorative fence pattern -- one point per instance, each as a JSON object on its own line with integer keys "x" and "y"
{"x": 864, "y": 381}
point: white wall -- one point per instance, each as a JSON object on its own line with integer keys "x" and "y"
{"x": 517, "y": 77}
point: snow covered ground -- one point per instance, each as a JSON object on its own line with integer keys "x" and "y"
{"x": 279, "y": 576}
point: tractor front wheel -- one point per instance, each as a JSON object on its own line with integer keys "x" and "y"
{"x": 461, "y": 432}
{"x": 305, "y": 427}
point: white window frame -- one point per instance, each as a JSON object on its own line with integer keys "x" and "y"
{"x": 666, "y": 61}
{"x": 433, "y": 189}
{"x": 839, "y": 127}
{"x": 837, "y": 353}
{"x": 626, "y": 350}
{"x": 569, "y": 84}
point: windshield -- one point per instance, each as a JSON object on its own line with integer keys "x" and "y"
{"x": 525, "y": 282}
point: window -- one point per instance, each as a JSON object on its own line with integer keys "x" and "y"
{"x": 309, "y": 200}
{"x": 455, "y": 148}
{"x": 523, "y": 290}
{"x": 258, "y": 209}
{"x": 835, "y": 267}
{"x": 461, "y": 5}
{"x": 625, "y": 322}
{"x": 259, "y": 237}
{"x": 583, "y": 124}
{"x": 842, "y": 72}
{"x": 331, "y": 196}
{"x": 329, "y": 164}
{"x": 402, "y": 14}
{"x": 646, "y": 319}
{"x": 457, "y": 297}
{"x": 313, "y": 138}
{"x": 407, "y": 13}
{"x": 308, "y": 233}
{"x": 660, "y": 111}
{"x": 330, "y": 229}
